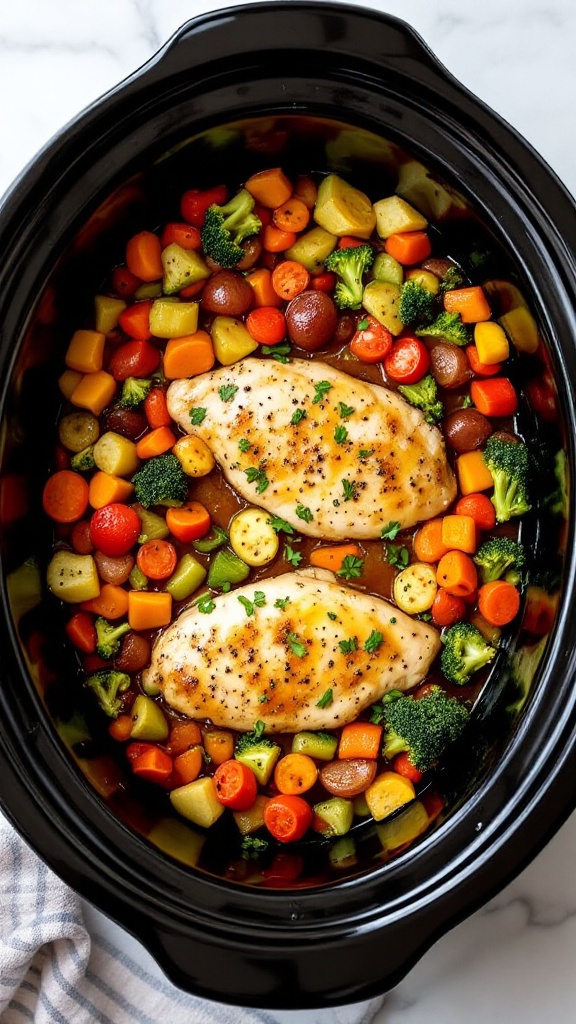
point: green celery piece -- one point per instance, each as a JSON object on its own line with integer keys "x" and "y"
{"x": 186, "y": 578}
{"x": 226, "y": 567}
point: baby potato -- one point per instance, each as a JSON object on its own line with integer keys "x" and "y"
{"x": 78, "y": 430}
{"x": 252, "y": 538}
{"x": 194, "y": 456}
{"x": 415, "y": 588}
{"x": 73, "y": 578}
{"x": 116, "y": 454}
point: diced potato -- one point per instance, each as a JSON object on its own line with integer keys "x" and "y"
{"x": 417, "y": 186}
{"x": 388, "y": 792}
{"x": 415, "y": 588}
{"x": 231, "y": 340}
{"x": 252, "y": 537}
{"x": 78, "y": 430}
{"x": 149, "y": 720}
{"x": 405, "y": 828}
{"x": 522, "y": 329}
{"x": 382, "y": 300}
{"x": 194, "y": 456}
{"x": 107, "y": 310}
{"x": 335, "y": 816}
{"x": 153, "y": 526}
{"x": 172, "y": 319}
{"x": 252, "y": 819}
{"x": 491, "y": 342}
{"x": 394, "y": 215}
{"x": 116, "y": 454}
{"x": 73, "y": 578}
{"x": 177, "y": 840}
{"x": 197, "y": 801}
{"x": 342, "y": 209}
{"x": 426, "y": 278}
{"x": 312, "y": 249}
{"x": 181, "y": 268}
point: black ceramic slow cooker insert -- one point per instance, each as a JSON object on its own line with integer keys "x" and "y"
{"x": 347, "y": 89}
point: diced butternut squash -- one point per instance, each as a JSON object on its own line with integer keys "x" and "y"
{"x": 68, "y": 382}
{"x": 85, "y": 351}
{"x": 473, "y": 473}
{"x": 491, "y": 342}
{"x": 94, "y": 391}
{"x": 104, "y": 488}
{"x": 149, "y": 609}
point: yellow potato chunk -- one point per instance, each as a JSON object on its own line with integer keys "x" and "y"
{"x": 231, "y": 340}
{"x": 116, "y": 454}
{"x": 415, "y": 588}
{"x": 388, "y": 792}
{"x": 194, "y": 456}
{"x": 382, "y": 300}
{"x": 342, "y": 209}
{"x": 73, "y": 578}
{"x": 394, "y": 215}
{"x": 197, "y": 801}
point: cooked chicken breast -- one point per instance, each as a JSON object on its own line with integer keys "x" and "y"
{"x": 298, "y": 651}
{"x": 334, "y": 456}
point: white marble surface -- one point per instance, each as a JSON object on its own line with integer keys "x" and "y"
{"x": 513, "y": 960}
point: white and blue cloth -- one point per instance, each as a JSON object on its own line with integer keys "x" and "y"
{"x": 60, "y": 963}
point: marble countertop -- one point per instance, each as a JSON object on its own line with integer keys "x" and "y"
{"x": 513, "y": 959}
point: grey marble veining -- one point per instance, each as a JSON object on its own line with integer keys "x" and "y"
{"x": 513, "y": 960}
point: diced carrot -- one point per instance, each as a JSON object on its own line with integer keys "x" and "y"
{"x": 276, "y": 240}
{"x": 350, "y": 242}
{"x": 293, "y": 215}
{"x": 446, "y": 608}
{"x": 149, "y": 609}
{"x": 494, "y": 397}
{"x": 480, "y": 508}
{"x": 270, "y": 187}
{"x": 295, "y": 773}
{"x": 189, "y": 522}
{"x": 471, "y": 303}
{"x": 185, "y": 235}
{"x": 188, "y": 356}
{"x": 81, "y": 632}
{"x": 156, "y": 442}
{"x": 188, "y": 765}
{"x": 85, "y": 351}
{"x": 457, "y": 574}
{"x": 360, "y": 739}
{"x": 289, "y": 278}
{"x": 104, "y": 489}
{"x": 261, "y": 282}
{"x": 498, "y": 602}
{"x": 408, "y": 247}
{"x": 481, "y": 369}
{"x": 135, "y": 320}
{"x": 121, "y": 728}
{"x": 306, "y": 190}
{"x": 156, "y": 409}
{"x": 183, "y": 735}
{"x": 473, "y": 473}
{"x": 65, "y": 496}
{"x": 219, "y": 745}
{"x": 94, "y": 391}
{"x": 403, "y": 765}
{"x": 112, "y": 602}
{"x": 428, "y": 544}
{"x": 333, "y": 557}
{"x": 144, "y": 256}
{"x": 459, "y": 532}
{"x": 153, "y": 764}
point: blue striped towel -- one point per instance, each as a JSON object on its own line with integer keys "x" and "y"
{"x": 56, "y": 970}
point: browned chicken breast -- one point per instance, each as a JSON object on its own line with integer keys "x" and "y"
{"x": 309, "y": 653}
{"x": 334, "y": 456}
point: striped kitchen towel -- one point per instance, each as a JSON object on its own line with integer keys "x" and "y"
{"x": 53, "y": 970}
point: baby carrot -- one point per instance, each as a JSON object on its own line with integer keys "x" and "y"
{"x": 65, "y": 496}
{"x": 80, "y": 630}
{"x": 289, "y": 278}
{"x": 408, "y": 247}
{"x": 154, "y": 443}
{"x": 143, "y": 256}
{"x": 157, "y": 559}
{"x": 360, "y": 739}
{"x": 156, "y": 409}
{"x": 135, "y": 320}
{"x": 428, "y": 544}
{"x": 457, "y": 574}
{"x": 333, "y": 557}
{"x": 498, "y": 602}
{"x": 183, "y": 735}
{"x": 187, "y": 766}
{"x": 494, "y": 397}
{"x": 276, "y": 240}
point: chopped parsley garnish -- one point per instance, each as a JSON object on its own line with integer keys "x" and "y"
{"x": 390, "y": 531}
{"x": 363, "y": 324}
{"x": 278, "y": 352}
{"x": 345, "y": 410}
{"x": 294, "y": 557}
{"x": 263, "y": 699}
{"x": 297, "y": 416}
{"x": 296, "y": 646}
{"x": 352, "y": 567}
{"x": 244, "y": 444}
{"x": 393, "y": 620}
{"x": 303, "y": 512}
{"x": 206, "y": 604}
{"x": 397, "y": 555}
{"x": 425, "y": 617}
{"x": 340, "y": 434}
{"x": 259, "y": 598}
{"x": 320, "y": 391}
{"x": 326, "y": 699}
{"x": 278, "y": 524}
{"x": 256, "y": 475}
{"x": 197, "y": 414}
{"x": 349, "y": 489}
{"x": 374, "y": 641}
{"x": 364, "y": 453}
{"x": 348, "y": 646}
{"x": 227, "y": 392}
{"x": 248, "y": 605}
{"x": 333, "y": 616}
{"x": 252, "y": 848}
{"x": 281, "y": 603}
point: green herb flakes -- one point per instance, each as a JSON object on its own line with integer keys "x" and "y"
{"x": 352, "y": 567}
{"x": 197, "y": 414}
{"x": 303, "y": 512}
{"x": 296, "y": 645}
{"x": 326, "y": 699}
{"x": 390, "y": 531}
{"x": 321, "y": 389}
{"x": 348, "y": 646}
{"x": 227, "y": 392}
{"x": 297, "y": 416}
{"x": 374, "y": 641}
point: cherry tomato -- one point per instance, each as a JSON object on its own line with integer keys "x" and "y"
{"x": 114, "y": 529}
{"x": 372, "y": 341}
{"x": 124, "y": 282}
{"x": 236, "y": 785}
{"x": 185, "y": 235}
{"x": 408, "y": 361}
{"x": 194, "y": 203}
{"x": 134, "y": 359}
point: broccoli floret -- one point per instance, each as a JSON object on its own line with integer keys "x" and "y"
{"x": 83, "y": 462}
{"x": 108, "y": 637}
{"x": 453, "y": 278}
{"x": 350, "y": 265}
{"x": 161, "y": 481}
{"x": 424, "y": 395}
{"x": 508, "y": 463}
{"x": 134, "y": 391}
{"x": 448, "y": 327}
{"x": 107, "y": 684}
{"x": 225, "y": 227}
{"x": 465, "y": 651}
{"x": 423, "y": 728}
{"x": 416, "y": 304}
{"x": 499, "y": 556}
{"x": 252, "y": 740}
{"x": 252, "y": 848}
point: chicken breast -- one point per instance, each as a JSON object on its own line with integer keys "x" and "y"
{"x": 334, "y": 456}
{"x": 297, "y": 651}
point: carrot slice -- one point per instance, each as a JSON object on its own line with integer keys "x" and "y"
{"x": 260, "y": 281}
{"x": 144, "y": 256}
{"x": 157, "y": 559}
{"x": 188, "y": 356}
{"x": 276, "y": 240}
{"x": 65, "y": 496}
{"x": 106, "y": 489}
{"x": 428, "y": 544}
{"x": 498, "y": 602}
{"x": 287, "y": 817}
{"x": 267, "y": 325}
{"x": 189, "y": 522}
{"x": 270, "y": 187}
{"x": 184, "y": 735}
{"x": 289, "y": 278}
{"x": 471, "y": 303}
{"x": 236, "y": 785}
{"x": 153, "y": 764}
{"x": 293, "y": 215}
{"x": 80, "y": 630}
{"x": 188, "y": 765}
{"x": 156, "y": 409}
{"x": 295, "y": 773}
{"x": 457, "y": 574}
{"x": 333, "y": 557}
{"x": 360, "y": 739}
{"x": 408, "y": 247}
{"x": 447, "y": 608}
{"x": 156, "y": 442}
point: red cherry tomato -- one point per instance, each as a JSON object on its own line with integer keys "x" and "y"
{"x": 236, "y": 785}
{"x": 124, "y": 282}
{"x": 371, "y": 343}
{"x": 194, "y": 203}
{"x": 185, "y": 235}
{"x": 114, "y": 529}
{"x": 134, "y": 359}
{"x": 408, "y": 361}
